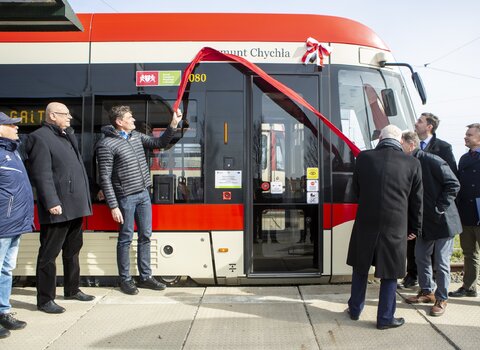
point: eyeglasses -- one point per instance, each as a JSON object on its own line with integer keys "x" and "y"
{"x": 65, "y": 114}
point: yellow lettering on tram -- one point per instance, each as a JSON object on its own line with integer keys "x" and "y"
{"x": 197, "y": 78}
{"x": 29, "y": 117}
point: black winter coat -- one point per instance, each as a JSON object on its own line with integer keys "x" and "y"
{"x": 388, "y": 184}
{"x": 57, "y": 172}
{"x": 443, "y": 150}
{"x": 122, "y": 164}
{"x": 440, "y": 188}
{"x": 469, "y": 177}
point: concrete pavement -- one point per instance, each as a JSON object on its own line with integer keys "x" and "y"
{"x": 287, "y": 317}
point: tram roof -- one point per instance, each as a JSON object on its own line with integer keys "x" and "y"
{"x": 123, "y": 27}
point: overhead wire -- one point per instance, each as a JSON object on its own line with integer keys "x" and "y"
{"x": 106, "y": 3}
{"x": 452, "y": 51}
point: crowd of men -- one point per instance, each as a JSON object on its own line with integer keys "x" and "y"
{"x": 412, "y": 202}
{"x": 408, "y": 191}
{"x": 56, "y": 170}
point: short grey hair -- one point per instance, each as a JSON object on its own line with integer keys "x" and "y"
{"x": 391, "y": 132}
{"x": 411, "y": 137}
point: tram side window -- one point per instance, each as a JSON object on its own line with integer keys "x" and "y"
{"x": 181, "y": 161}
{"x": 32, "y": 113}
{"x": 180, "y": 164}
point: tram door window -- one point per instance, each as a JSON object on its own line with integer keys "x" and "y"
{"x": 286, "y": 237}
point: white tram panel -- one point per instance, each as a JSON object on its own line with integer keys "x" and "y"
{"x": 228, "y": 264}
{"x": 172, "y": 254}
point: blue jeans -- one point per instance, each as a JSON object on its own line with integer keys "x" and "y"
{"x": 443, "y": 248}
{"x": 8, "y": 261}
{"x": 135, "y": 208}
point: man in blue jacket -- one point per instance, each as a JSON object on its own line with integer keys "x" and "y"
{"x": 469, "y": 208}
{"x": 16, "y": 215}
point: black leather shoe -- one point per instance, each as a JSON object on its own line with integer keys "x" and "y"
{"x": 4, "y": 332}
{"x": 51, "y": 307}
{"x": 409, "y": 282}
{"x": 396, "y": 322}
{"x": 81, "y": 296}
{"x": 151, "y": 283}
{"x": 462, "y": 292}
{"x": 11, "y": 323}
{"x": 128, "y": 287}
{"x": 352, "y": 317}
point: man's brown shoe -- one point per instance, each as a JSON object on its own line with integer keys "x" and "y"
{"x": 439, "y": 308}
{"x": 421, "y": 297}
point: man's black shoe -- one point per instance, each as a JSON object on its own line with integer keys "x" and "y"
{"x": 396, "y": 322}
{"x": 128, "y": 287}
{"x": 462, "y": 292}
{"x": 51, "y": 307}
{"x": 81, "y": 296}
{"x": 11, "y": 323}
{"x": 409, "y": 282}
{"x": 4, "y": 332}
{"x": 352, "y": 317}
{"x": 151, "y": 283}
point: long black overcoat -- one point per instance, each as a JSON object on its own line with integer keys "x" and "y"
{"x": 57, "y": 172}
{"x": 388, "y": 184}
{"x": 440, "y": 188}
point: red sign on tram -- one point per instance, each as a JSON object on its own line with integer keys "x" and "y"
{"x": 147, "y": 78}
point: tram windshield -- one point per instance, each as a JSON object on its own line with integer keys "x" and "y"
{"x": 364, "y": 107}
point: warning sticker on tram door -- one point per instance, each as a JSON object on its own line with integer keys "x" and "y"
{"x": 312, "y": 185}
{"x": 312, "y": 198}
{"x": 312, "y": 173}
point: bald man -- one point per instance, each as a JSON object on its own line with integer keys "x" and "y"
{"x": 57, "y": 172}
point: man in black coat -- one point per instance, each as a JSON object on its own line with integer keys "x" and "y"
{"x": 441, "y": 223}
{"x": 58, "y": 174}
{"x": 388, "y": 184}
{"x": 469, "y": 208}
{"x": 425, "y": 127}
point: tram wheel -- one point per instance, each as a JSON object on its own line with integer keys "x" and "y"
{"x": 170, "y": 280}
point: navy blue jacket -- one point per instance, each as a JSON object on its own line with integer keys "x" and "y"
{"x": 16, "y": 197}
{"x": 440, "y": 187}
{"x": 469, "y": 177}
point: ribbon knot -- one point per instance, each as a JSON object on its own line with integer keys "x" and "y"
{"x": 315, "y": 52}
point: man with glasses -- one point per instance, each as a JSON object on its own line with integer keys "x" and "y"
{"x": 125, "y": 181}
{"x": 57, "y": 172}
{"x": 16, "y": 208}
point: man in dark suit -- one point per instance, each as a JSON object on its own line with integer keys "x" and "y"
{"x": 441, "y": 223}
{"x": 58, "y": 174}
{"x": 388, "y": 184}
{"x": 425, "y": 127}
{"x": 469, "y": 208}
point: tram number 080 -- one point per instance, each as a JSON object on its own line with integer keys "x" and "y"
{"x": 197, "y": 78}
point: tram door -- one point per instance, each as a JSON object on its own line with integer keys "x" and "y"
{"x": 287, "y": 180}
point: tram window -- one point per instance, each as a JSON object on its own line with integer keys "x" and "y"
{"x": 182, "y": 158}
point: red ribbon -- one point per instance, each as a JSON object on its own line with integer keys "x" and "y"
{"x": 315, "y": 52}
{"x": 208, "y": 54}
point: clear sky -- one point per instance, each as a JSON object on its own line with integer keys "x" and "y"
{"x": 443, "y": 33}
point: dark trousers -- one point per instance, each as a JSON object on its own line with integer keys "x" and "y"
{"x": 66, "y": 237}
{"x": 411, "y": 265}
{"x": 387, "y": 298}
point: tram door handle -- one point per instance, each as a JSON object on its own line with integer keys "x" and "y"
{"x": 308, "y": 224}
